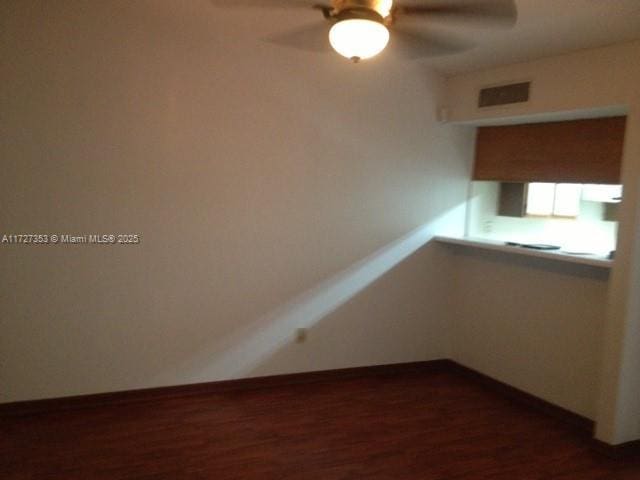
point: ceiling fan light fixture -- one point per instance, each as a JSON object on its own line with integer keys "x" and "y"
{"x": 358, "y": 38}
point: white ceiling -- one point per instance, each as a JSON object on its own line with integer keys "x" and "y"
{"x": 544, "y": 28}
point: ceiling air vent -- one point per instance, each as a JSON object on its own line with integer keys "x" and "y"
{"x": 504, "y": 94}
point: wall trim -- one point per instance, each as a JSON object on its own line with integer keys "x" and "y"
{"x": 620, "y": 451}
{"x": 581, "y": 424}
{"x": 126, "y": 397}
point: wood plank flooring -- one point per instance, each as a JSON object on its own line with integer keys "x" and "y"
{"x": 416, "y": 425}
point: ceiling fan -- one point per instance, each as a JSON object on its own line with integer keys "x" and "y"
{"x": 360, "y": 29}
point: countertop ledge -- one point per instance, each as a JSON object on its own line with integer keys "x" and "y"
{"x": 558, "y": 255}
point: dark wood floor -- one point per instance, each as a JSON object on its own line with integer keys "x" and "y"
{"x": 429, "y": 425}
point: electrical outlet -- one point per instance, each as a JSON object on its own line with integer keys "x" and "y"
{"x": 301, "y": 335}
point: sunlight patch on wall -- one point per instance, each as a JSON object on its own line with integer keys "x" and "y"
{"x": 240, "y": 353}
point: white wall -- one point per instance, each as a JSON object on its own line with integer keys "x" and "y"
{"x": 585, "y": 80}
{"x": 532, "y": 323}
{"x": 275, "y": 189}
{"x": 272, "y": 189}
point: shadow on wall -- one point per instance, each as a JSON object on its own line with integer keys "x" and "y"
{"x": 244, "y": 352}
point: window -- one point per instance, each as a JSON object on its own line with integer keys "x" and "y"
{"x": 554, "y": 199}
{"x": 540, "y": 199}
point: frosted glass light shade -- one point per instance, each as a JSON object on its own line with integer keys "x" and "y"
{"x": 358, "y": 39}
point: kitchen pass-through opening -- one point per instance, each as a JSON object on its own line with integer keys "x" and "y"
{"x": 578, "y": 219}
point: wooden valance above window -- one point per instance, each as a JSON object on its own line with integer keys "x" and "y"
{"x": 577, "y": 151}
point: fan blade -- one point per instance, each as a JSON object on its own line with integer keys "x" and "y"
{"x": 312, "y": 38}
{"x": 419, "y": 44}
{"x": 501, "y": 12}
{"x": 266, "y": 4}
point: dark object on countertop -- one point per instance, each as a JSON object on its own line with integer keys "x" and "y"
{"x": 612, "y": 254}
{"x": 541, "y": 246}
{"x": 534, "y": 246}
